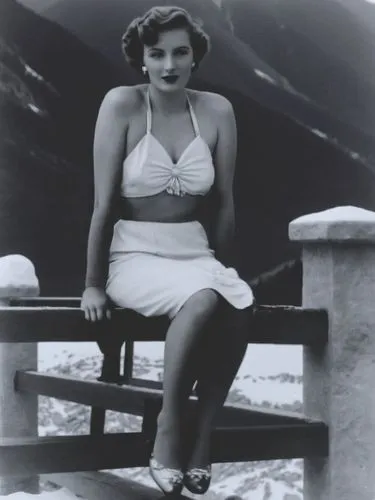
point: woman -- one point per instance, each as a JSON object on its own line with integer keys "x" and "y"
{"x": 160, "y": 149}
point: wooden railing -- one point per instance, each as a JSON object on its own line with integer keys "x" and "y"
{"x": 335, "y": 326}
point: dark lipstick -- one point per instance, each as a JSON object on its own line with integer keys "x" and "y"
{"x": 170, "y": 78}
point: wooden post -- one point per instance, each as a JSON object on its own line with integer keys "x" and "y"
{"x": 18, "y": 412}
{"x": 339, "y": 378}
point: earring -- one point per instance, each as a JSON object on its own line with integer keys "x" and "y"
{"x": 144, "y": 70}
{"x": 193, "y": 65}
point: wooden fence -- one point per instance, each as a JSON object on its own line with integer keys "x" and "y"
{"x": 334, "y": 434}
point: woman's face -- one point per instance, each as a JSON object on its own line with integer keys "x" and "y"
{"x": 169, "y": 61}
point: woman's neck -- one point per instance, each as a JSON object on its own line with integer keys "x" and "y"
{"x": 167, "y": 103}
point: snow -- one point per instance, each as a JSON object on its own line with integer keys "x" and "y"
{"x": 319, "y": 133}
{"x": 260, "y": 360}
{"x": 18, "y": 277}
{"x": 30, "y": 71}
{"x": 268, "y": 489}
{"x": 61, "y": 494}
{"x": 263, "y": 75}
{"x": 263, "y": 375}
{"x": 35, "y": 109}
{"x": 258, "y": 391}
{"x": 269, "y": 375}
{"x": 338, "y": 214}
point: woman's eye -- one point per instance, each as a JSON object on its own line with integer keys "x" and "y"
{"x": 182, "y": 52}
{"x": 156, "y": 55}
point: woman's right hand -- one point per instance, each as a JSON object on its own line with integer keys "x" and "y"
{"x": 95, "y": 304}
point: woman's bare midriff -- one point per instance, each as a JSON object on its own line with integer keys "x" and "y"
{"x": 161, "y": 207}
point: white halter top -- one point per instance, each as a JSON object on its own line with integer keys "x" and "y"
{"x": 149, "y": 169}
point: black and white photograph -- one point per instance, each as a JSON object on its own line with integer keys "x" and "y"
{"x": 187, "y": 249}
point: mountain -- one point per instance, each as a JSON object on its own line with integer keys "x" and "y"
{"x": 38, "y": 5}
{"x": 293, "y": 157}
{"x": 233, "y": 63}
{"x": 58, "y": 56}
{"x": 104, "y": 23}
{"x": 324, "y": 48}
{"x": 46, "y": 122}
{"x": 364, "y": 10}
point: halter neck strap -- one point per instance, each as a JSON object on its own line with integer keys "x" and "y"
{"x": 191, "y": 110}
{"x": 149, "y": 116}
{"x": 193, "y": 117}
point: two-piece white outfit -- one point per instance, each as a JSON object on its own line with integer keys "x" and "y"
{"x": 154, "y": 267}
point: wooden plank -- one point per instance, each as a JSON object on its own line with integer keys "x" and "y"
{"x": 289, "y": 325}
{"x": 268, "y": 324}
{"x": 128, "y": 360}
{"x": 124, "y": 399}
{"x": 97, "y": 421}
{"x": 269, "y": 442}
{"x": 132, "y": 399}
{"x": 146, "y": 383}
{"x": 67, "y": 324}
{"x": 111, "y": 349}
{"x": 44, "y": 455}
{"x": 45, "y": 301}
{"x": 105, "y": 486}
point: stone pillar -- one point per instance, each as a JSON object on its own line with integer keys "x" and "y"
{"x": 18, "y": 412}
{"x": 338, "y": 247}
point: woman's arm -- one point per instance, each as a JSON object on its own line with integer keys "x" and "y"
{"x": 109, "y": 142}
{"x": 225, "y": 162}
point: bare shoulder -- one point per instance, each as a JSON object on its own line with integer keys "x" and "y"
{"x": 122, "y": 101}
{"x": 213, "y": 103}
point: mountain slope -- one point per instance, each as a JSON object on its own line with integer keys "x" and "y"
{"x": 46, "y": 123}
{"x": 37, "y": 5}
{"x": 39, "y": 188}
{"x": 77, "y": 72}
{"x": 323, "y": 48}
{"x": 232, "y": 63}
{"x": 103, "y": 25}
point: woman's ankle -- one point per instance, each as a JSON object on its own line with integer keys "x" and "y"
{"x": 167, "y": 446}
{"x": 169, "y": 421}
{"x": 200, "y": 456}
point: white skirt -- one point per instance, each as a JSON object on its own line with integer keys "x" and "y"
{"x": 154, "y": 267}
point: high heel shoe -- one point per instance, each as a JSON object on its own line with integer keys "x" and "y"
{"x": 170, "y": 481}
{"x": 197, "y": 479}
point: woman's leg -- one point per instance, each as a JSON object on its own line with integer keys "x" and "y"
{"x": 180, "y": 373}
{"x": 224, "y": 347}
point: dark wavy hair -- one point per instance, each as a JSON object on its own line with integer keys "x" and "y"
{"x": 145, "y": 30}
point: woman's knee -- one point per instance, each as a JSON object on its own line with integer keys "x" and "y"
{"x": 230, "y": 325}
{"x": 202, "y": 303}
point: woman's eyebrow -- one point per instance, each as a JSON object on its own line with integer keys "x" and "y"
{"x": 184, "y": 47}
{"x": 175, "y": 48}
